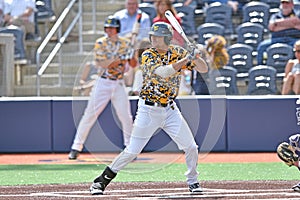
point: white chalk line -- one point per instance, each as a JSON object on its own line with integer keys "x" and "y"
{"x": 166, "y": 193}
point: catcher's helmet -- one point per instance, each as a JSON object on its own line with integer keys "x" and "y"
{"x": 111, "y": 21}
{"x": 162, "y": 29}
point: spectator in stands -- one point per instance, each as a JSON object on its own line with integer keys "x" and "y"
{"x": 21, "y": 14}
{"x": 128, "y": 16}
{"x": 284, "y": 27}
{"x": 291, "y": 80}
{"x": 161, "y": 7}
{"x": 58, "y": 7}
{"x": 19, "y": 50}
{"x": 216, "y": 57}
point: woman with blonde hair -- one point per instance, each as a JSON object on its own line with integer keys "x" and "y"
{"x": 291, "y": 80}
{"x": 161, "y": 7}
{"x": 216, "y": 56}
{"x": 216, "y": 48}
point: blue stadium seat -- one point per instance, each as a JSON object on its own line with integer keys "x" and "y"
{"x": 262, "y": 80}
{"x": 149, "y": 9}
{"x": 187, "y": 15}
{"x": 277, "y": 56}
{"x": 240, "y": 58}
{"x": 250, "y": 33}
{"x": 207, "y": 30}
{"x": 257, "y": 12}
{"x": 223, "y": 81}
{"x": 222, "y": 14}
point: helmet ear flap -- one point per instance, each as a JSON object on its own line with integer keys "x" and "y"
{"x": 167, "y": 40}
{"x": 119, "y": 27}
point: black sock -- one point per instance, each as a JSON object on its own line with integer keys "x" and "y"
{"x": 106, "y": 176}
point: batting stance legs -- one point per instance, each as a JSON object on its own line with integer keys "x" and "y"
{"x": 103, "y": 91}
{"x": 148, "y": 120}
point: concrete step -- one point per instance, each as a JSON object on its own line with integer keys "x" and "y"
{"x": 70, "y": 57}
{"x": 50, "y": 79}
{"x": 54, "y": 68}
{"x": 54, "y": 90}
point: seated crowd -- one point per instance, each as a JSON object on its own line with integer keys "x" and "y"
{"x": 284, "y": 25}
{"x": 196, "y": 83}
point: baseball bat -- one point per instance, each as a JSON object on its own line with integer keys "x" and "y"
{"x": 136, "y": 28}
{"x": 169, "y": 15}
{"x": 134, "y": 33}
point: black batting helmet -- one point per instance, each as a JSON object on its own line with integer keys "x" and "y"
{"x": 111, "y": 21}
{"x": 162, "y": 29}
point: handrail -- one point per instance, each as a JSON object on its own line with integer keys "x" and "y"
{"x": 56, "y": 26}
{"x": 94, "y": 15}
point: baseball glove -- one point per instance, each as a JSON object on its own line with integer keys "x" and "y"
{"x": 286, "y": 154}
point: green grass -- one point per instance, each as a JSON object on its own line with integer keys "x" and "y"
{"x": 85, "y": 173}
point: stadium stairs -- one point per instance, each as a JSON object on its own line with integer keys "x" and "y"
{"x": 71, "y": 59}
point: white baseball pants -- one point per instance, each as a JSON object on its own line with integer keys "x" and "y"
{"x": 103, "y": 91}
{"x": 148, "y": 120}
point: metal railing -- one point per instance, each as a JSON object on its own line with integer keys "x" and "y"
{"x": 57, "y": 27}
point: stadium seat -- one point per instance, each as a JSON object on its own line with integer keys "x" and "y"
{"x": 262, "y": 80}
{"x": 149, "y": 9}
{"x": 223, "y": 81}
{"x": 257, "y": 12}
{"x": 222, "y": 14}
{"x": 187, "y": 15}
{"x": 207, "y": 30}
{"x": 277, "y": 56}
{"x": 240, "y": 58}
{"x": 251, "y": 34}
{"x": 274, "y": 5}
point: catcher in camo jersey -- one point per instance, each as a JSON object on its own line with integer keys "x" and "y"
{"x": 111, "y": 55}
{"x": 161, "y": 66}
{"x": 289, "y": 153}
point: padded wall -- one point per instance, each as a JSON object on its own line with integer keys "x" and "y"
{"x": 260, "y": 124}
{"x": 25, "y": 126}
{"x": 230, "y": 124}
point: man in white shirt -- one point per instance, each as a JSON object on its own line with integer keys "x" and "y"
{"x": 128, "y": 17}
{"x": 20, "y": 13}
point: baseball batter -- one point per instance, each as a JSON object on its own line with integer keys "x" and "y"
{"x": 111, "y": 54}
{"x": 161, "y": 66}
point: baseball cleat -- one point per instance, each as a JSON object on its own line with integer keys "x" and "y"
{"x": 195, "y": 188}
{"x": 296, "y": 188}
{"x": 96, "y": 189}
{"x": 73, "y": 154}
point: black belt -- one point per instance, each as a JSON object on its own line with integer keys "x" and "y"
{"x": 150, "y": 103}
{"x": 105, "y": 77}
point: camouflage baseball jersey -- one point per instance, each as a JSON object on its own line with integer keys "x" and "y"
{"x": 156, "y": 88}
{"x": 105, "y": 49}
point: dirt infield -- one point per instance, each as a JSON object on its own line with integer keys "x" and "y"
{"x": 149, "y": 190}
{"x": 155, "y": 190}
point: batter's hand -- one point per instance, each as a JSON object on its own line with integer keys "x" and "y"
{"x": 195, "y": 53}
